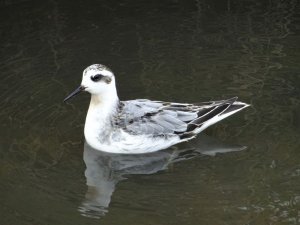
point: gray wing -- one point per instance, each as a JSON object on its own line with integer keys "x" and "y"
{"x": 154, "y": 117}
{"x": 143, "y": 116}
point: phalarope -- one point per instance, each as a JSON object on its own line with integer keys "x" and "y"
{"x": 141, "y": 125}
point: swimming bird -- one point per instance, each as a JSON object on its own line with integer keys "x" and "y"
{"x": 141, "y": 125}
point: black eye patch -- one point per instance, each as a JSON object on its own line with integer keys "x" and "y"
{"x": 97, "y": 77}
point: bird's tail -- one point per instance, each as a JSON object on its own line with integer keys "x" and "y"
{"x": 215, "y": 112}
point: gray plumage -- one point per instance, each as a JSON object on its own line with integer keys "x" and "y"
{"x": 157, "y": 118}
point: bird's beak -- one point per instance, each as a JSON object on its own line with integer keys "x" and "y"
{"x": 77, "y": 91}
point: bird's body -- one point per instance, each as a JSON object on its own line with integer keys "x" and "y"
{"x": 143, "y": 126}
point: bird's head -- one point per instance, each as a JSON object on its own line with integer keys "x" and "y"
{"x": 97, "y": 79}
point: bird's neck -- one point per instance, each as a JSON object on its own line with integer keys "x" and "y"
{"x": 103, "y": 105}
{"x": 102, "y": 109}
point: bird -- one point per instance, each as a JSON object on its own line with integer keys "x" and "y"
{"x": 141, "y": 125}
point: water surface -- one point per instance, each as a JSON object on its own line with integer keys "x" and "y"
{"x": 163, "y": 50}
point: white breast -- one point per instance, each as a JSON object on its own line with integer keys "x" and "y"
{"x": 131, "y": 144}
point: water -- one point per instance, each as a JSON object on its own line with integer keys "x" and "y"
{"x": 165, "y": 50}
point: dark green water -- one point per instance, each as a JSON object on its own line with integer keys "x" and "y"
{"x": 165, "y": 50}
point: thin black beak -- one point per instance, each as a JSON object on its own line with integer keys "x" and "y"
{"x": 77, "y": 91}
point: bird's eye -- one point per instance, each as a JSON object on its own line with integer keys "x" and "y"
{"x": 97, "y": 77}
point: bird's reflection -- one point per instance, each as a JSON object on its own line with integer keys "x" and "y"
{"x": 105, "y": 170}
